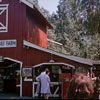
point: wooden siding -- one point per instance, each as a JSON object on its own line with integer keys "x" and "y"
{"x": 36, "y": 29}
{"x": 16, "y": 28}
{"x": 38, "y": 57}
{"x": 23, "y": 27}
{"x": 27, "y": 88}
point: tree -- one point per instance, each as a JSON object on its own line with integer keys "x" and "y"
{"x": 77, "y": 27}
{"x": 68, "y": 27}
{"x": 91, "y": 16}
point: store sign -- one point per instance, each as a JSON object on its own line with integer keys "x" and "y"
{"x": 8, "y": 43}
{"x": 1, "y": 58}
{"x": 27, "y": 72}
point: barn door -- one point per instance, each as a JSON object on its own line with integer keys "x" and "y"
{"x": 65, "y": 84}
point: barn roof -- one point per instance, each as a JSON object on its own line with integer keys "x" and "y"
{"x": 73, "y": 58}
{"x": 31, "y": 4}
{"x": 96, "y": 62}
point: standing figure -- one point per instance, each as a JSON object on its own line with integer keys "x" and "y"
{"x": 45, "y": 83}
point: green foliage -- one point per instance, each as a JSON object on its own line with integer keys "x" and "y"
{"x": 91, "y": 9}
{"x": 77, "y": 27}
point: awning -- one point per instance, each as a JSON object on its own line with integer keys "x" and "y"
{"x": 54, "y": 63}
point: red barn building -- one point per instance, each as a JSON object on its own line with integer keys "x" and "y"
{"x": 23, "y": 49}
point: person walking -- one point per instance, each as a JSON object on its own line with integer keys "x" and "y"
{"x": 45, "y": 83}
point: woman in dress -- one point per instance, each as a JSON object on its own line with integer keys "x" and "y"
{"x": 45, "y": 83}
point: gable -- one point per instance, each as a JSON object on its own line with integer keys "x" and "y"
{"x": 31, "y": 4}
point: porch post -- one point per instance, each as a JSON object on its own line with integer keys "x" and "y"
{"x": 33, "y": 81}
{"x": 91, "y": 72}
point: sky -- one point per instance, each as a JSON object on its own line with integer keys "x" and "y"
{"x": 50, "y": 5}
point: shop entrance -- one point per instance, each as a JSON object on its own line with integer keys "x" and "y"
{"x": 57, "y": 70}
{"x": 9, "y": 78}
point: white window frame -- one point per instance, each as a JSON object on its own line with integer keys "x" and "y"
{"x": 3, "y": 8}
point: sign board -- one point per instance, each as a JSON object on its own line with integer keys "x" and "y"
{"x": 8, "y": 43}
{"x": 27, "y": 72}
{"x": 1, "y": 58}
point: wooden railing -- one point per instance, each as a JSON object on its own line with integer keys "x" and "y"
{"x": 54, "y": 93}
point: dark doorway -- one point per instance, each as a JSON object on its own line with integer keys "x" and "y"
{"x": 9, "y": 77}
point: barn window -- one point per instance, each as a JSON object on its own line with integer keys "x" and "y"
{"x": 3, "y": 17}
